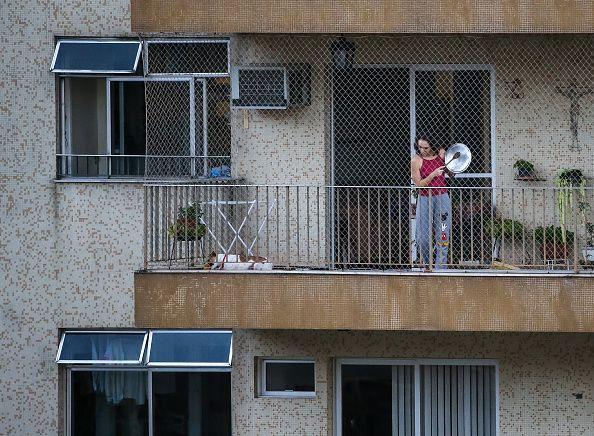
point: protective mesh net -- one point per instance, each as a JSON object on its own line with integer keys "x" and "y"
{"x": 341, "y": 114}
{"x": 188, "y": 132}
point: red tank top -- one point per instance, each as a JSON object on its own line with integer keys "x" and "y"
{"x": 438, "y": 183}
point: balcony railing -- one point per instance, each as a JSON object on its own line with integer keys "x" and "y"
{"x": 139, "y": 166}
{"x": 367, "y": 228}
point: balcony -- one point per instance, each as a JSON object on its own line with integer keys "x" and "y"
{"x": 322, "y": 228}
{"x": 319, "y": 257}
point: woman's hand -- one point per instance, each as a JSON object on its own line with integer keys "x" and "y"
{"x": 437, "y": 172}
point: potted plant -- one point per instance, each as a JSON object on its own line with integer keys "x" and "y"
{"x": 567, "y": 181}
{"x": 588, "y": 250}
{"x": 554, "y": 241}
{"x": 187, "y": 226}
{"x": 525, "y": 169}
{"x": 570, "y": 178}
{"x": 505, "y": 228}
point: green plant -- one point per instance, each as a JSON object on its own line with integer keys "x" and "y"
{"x": 506, "y": 228}
{"x": 590, "y": 233}
{"x": 567, "y": 181}
{"x": 187, "y": 226}
{"x": 524, "y": 165}
{"x": 553, "y": 234}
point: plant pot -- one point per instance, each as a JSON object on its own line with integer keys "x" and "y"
{"x": 572, "y": 177}
{"x": 525, "y": 173}
{"x": 588, "y": 254}
{"x": 554, "y": 250}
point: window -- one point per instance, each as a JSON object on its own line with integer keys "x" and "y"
{"x": 96, "y": 57}
{"x": 287, "y": 378}
{"x": 190, "y": 348}
{"x": 164, "y": 126}
{"x": 111, "y": 390}
{"x": 101, "y": 347}
{"x": 108, "y": 402}
{"x": 383, "y": 396}
{"x": 191, "y": 403}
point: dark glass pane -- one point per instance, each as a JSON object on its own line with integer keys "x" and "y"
{"x": 195, "y": 347}
{"x": 298, "y": 377}
{"x": 128, "y": 128}
{"x": 366, "y": 400}
{"x": 195, "y": 403}
{"x": 101, "y": 346}
{"x": 96, "y": 56}
{"x": 454, "y": 106}
{"x": 109, "y": 403}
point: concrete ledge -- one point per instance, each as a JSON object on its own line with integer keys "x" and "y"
{"x": 361, "y": 16}
{"x": 364, "y": 302}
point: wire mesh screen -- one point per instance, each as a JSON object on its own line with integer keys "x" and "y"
{"x": 188, "y": 132}
{"x": 206, "y": 57}
{"x": 168, "y": 128}
{"x": 342, "y": 114}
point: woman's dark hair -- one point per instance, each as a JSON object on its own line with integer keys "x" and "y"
{"x": 426, "y": 138}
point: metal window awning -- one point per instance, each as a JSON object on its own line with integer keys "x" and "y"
{"x": 190, "y": 348}
{"x": 102, "y": 347}
{"x": 96, "y": 57}
{"x": 158, "y": 348}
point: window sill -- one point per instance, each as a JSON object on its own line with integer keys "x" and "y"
{"x": 288, "y": 395}
{"x": 142, "y": 180}
{"x": 98, "y": 180}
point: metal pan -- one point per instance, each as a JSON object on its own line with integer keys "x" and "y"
{"x": 460, "y": 164}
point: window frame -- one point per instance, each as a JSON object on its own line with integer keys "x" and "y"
{"x": 95, "y": 41}
{"x": 65, "y": 141}
{"x": 490, "y": 69}
{"x": 416, "y": 363}
{"x": 188, "y": 364}
{"x": 149, "y": 386}
{"x": 102, "y": 362}
{"x": 263, "y": 392}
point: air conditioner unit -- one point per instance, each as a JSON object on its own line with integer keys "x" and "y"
{"x": 271, "y": 87}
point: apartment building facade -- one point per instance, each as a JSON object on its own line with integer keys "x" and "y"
{"x": 210, "y": 227}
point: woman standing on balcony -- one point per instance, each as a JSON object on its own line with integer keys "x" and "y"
{"x": 427, "y": 169}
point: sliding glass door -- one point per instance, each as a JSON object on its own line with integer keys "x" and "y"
{"x": 416, "y": 397}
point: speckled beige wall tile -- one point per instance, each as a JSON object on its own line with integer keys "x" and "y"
{"x": 66, "y": 252}
{"x": 538, "y": 375}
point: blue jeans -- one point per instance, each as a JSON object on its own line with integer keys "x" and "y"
{"x": 441, "y": 214}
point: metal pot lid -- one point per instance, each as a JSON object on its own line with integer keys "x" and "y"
{"x": 461, "y": 164}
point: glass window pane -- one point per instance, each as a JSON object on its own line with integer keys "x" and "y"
{"x": 290, "y": 377}
{"x": 128, "y": 127}
{"x": 195, "y": 403}
{"x": 109, "y": 403}
{"x": 85, "y": 125}
{"x": 96, "y": 57}
{"x": 367, "y": 400}
{"x": 101, "y": 347}
{"x": 196, "y": 348}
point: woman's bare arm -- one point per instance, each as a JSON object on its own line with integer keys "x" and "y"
{"x": 442, "y": 154}
{"x": 415, "y": 172}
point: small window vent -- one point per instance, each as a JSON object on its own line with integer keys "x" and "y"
{"x": 271, "y": 87}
